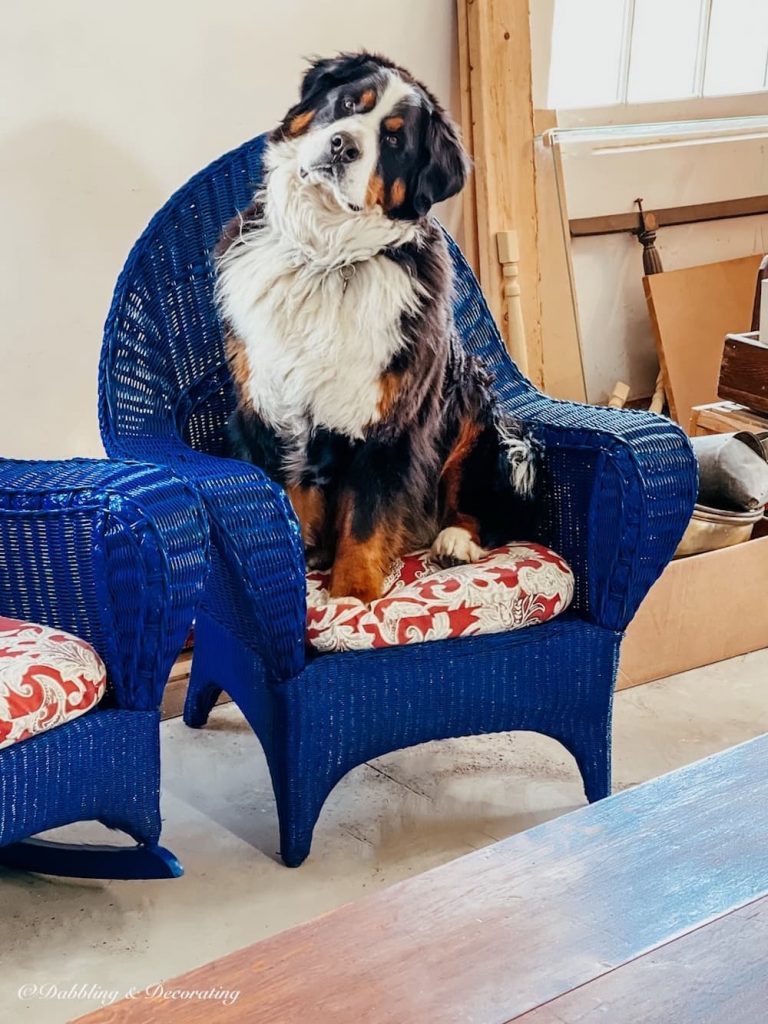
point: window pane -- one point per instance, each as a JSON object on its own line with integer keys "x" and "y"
{"x": 665, "y": 39}
{"x": 738, "y": 47}
{"x": 586, "y": 53}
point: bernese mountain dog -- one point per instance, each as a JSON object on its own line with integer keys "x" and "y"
{"x": 335, "y": 290}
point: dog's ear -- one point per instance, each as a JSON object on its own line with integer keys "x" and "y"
{"x": 317, "y": 80}
{"x": 446, "y": 164}
{"x": 323, "y": 74}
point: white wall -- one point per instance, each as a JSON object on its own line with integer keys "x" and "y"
{"x": 105, "y": 109}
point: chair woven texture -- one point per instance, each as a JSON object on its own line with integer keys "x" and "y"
{"x": 617, "y": 489}
{"x": 117, "y": 554}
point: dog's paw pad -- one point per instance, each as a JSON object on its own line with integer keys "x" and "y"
{"x": 454, "y": 546}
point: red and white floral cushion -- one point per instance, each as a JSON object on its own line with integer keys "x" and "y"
{"x": 47, "y": 677}
{"x": 513, "y": 586}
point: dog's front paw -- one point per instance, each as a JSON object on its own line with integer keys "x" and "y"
{"x": 454, "y": 546}
{"x": 318, "y": 559}
{"x": 349, "y": 581}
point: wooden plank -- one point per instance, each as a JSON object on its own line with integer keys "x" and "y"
{"x": 510, "y": 927}
{"x": 469, "y": 196}
{"x": 502, "y": 129}
{"x": 715, "y": 974}
{"x": 725, "y": 418}
{"x": 695, "y": 213}
{"x": 691, "y": 312}
{"x": 181, "y": 667}
{"x": 560, "y": 343}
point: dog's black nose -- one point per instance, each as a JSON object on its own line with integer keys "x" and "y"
{"x": 344, "y": 149}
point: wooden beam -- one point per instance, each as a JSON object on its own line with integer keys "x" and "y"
{"x": 749, "y": 206}
{"x": 499, "y": 44}
{"x": 469, "y": 195}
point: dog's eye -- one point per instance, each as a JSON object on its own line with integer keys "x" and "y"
{"x": 348, "y": 103}
{"x": 392, "y": 140}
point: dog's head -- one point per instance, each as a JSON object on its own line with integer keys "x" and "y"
{"x": 366, "y": 132}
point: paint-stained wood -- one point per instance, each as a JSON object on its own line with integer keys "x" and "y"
{"x": 717, "y": 974}
{"x": 691, "y": 311}
{"x": 514, "y": 926}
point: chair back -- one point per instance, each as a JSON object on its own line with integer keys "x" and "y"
{"x": 163, "y": 371}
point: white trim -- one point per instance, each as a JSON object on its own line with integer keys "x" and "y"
{"x": 627, "y": 35}
{"x": 694, "y": 109}
{"x": 702, "y": 49}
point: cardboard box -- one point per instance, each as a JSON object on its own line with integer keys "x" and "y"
{"x": 702, "y": 609}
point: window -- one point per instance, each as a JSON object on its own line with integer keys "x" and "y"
{"x": 628, "y": 52}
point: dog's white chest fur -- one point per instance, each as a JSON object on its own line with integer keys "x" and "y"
{"x": 316, "y": 349}
{"x": 316, "y": 343}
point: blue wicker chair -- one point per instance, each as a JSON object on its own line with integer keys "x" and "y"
{"x": 618, "y": 490}
{"x": 117, "y": 555}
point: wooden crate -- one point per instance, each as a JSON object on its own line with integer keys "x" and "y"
{"x": 744, "y": 371}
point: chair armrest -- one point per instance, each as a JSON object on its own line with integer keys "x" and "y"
{"x": 618, "y": 490}
{"x": 112, "y": 552}
{"x": 258, "y": 576}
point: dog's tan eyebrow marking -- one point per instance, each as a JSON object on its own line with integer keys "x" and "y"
{"x": 300, "y": 122}
{"x": 368, "y": 99}
{"x": 393, "y": 124}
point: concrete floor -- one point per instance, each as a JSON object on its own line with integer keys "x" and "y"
{"x": 387, "y": 820}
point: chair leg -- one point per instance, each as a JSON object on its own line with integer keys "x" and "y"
{"x": 297, "y": 813}
{"x": 202, "y": 691}
{"x": 299, "y": 796}
{"x": 199, "y": 704}
{"x": 590, "y": 744}
{"x": 294, "y": 846}
{"x": 72, "y": 860}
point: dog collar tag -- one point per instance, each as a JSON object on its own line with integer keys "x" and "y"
{"x": 347, "y": 272}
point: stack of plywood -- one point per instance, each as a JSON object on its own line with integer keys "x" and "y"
{"x": 692, "y": 310}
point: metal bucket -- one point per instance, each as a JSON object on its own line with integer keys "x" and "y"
{"x": 713, "y": 528}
